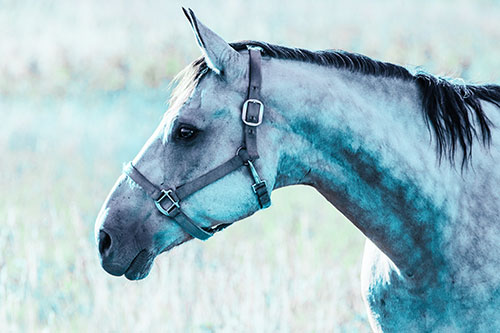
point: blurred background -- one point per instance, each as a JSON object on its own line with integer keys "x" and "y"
{"x": 83, "y": 84}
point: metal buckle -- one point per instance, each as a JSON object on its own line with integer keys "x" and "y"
{"x": 245, "y": 109}
{"x": 255, "y": 186}
{"x": 166, "y": 194}
{"x": 258, "y": 182}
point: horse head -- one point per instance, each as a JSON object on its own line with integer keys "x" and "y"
{"x": 201, "y": 131}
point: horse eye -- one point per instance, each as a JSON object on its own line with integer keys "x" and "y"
{"x": 186, "y": 133}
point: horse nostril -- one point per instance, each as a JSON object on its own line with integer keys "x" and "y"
{"x": 104, "y": 243}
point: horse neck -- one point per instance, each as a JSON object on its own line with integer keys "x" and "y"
{"x": 362, "y": 142}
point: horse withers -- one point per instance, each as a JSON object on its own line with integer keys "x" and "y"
{"x": 410, "y": 159}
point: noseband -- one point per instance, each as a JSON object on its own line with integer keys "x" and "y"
{"x": 252, "y": 114}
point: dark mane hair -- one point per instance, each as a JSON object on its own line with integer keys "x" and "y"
{"x": 453, "y": 111}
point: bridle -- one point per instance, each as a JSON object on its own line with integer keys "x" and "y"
{"x": 252, "y": 115}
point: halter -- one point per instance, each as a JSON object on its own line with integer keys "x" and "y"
{"x": 252, "y": 114}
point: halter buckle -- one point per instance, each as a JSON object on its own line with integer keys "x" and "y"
{"x": 245, "y": 110}
{"x": 169, "y": 210}
{"x": 258, "y": 186}
{"x": 260, "y": 189}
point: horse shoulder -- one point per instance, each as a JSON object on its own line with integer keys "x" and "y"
{"x": 385, "y": 294}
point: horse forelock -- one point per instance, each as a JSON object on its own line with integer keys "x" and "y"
{"x": 186, "y": 80}
{"x": 453, "y": 111}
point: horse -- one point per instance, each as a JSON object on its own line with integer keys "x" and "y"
{"x": 409, "y": 158}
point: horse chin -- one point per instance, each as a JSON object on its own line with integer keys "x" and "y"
{"x": 177, "y": 242}
{"x": 141, "y": 265}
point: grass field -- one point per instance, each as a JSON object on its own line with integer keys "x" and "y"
{"x": 83, "y": 85}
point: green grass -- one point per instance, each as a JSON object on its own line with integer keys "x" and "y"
{"x": 81, "y": 89}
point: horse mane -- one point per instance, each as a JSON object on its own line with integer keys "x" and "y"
{"x": 453, "y": 111}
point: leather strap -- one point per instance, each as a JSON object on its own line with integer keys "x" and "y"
{"x": 254, "y": 114}
{"x": 213, "y": 175}
{"x": 167, "y": 201}
{"x": 151, "y": 189}
{"x": 253, "y": 109}
{"x": 189, "y": 225}
{"x": 156, "y": 193}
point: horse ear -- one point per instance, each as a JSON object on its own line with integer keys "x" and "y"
{"x": 217, "y": 52}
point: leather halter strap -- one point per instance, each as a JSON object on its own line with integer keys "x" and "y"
{"x": 252, "y": 116}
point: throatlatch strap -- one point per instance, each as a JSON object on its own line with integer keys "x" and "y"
{"x": 253, "y": 109}
{"x": 254, "y": 115}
